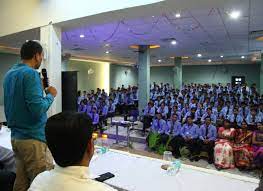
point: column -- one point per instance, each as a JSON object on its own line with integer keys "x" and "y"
{"x": 50, "y": 37}
{"x": 144, "y": 76}
{"x": 177, "y": 72}
{"x": 261, "y": 75}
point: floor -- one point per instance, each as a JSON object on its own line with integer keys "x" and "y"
{"x": 138, "y": 146}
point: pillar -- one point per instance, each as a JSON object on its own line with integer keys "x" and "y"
{"x": 177, "y": 72}
{"x": 144, "y": 76}
{"x": 261, "y": 75}
{"x": 50, "y": 38}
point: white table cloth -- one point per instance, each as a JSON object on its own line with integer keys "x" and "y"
{"x": 134, "y": 172}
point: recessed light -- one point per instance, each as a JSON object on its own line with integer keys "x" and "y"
{"x": 209, "y": 60}
{"x": 159, "y": 60}
{"x": 177, "y": 15}
{"x": 107, "y": 45}
{"x": 173, "y": 42}
{"x": 221, "y": 56}
{"x": 234, "y": 14}
{"x": 242, "y": 57}
{"x": 82, "y": 36}
{"x": 107, "y": 52}
{"x": 199, "y": 55}
{"x": 153, "y": 16}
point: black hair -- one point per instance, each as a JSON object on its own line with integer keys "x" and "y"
{"x": 68, "y": 134}
{"x": 29, "y": 49}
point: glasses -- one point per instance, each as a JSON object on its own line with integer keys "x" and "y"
{"x": 168, "y": 156}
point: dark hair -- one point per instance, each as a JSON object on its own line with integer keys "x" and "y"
{"x": 29, "y": 49}
{"x": 67, "y": 135}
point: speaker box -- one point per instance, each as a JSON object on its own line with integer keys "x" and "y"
{"x": 69, "y": 90}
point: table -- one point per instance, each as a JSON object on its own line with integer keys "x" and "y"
{"x": 134, "y": 172}
{"x": 139, "y": 173}
{"x": 127, "y": 124}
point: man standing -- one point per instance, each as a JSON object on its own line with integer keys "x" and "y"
{"x": 25, "y": 110}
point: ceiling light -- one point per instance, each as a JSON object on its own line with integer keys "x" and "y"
{"x": 177, "y": 15}
{"x": 209, "y": 60}
{"x": 173, "y": 42}
{"x": 221, "y": 56}
{"x": 82, "y": 36}
{"x": 234, "y": 14}
{"x": 159, "y": 60}
{"x": 242, "y": 57}
{"x": 107, "y": 45}
{"x": 153, "y": 16}
{"x": 199, "y": 55}
{"x": 107, "y": 52}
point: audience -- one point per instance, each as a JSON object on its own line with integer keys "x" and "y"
{"x": 69, "y": 138}
{"x": 212, "y": 119}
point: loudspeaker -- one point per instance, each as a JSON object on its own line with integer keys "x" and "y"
{"x": 69, "y": 90}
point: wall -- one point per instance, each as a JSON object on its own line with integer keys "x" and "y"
{"x": 91, "y": 75}
{"x": 119, "y": 78}
{"x": 191, "y": 74}
{"x": 162, "y": 74}
{"x": 6, "y": 62}
{"x": 221, "y": 73}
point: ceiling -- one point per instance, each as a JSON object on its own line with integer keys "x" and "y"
{"x": 201, "y": 29}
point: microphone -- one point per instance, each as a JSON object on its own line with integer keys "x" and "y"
{"x": 45, "y": 78}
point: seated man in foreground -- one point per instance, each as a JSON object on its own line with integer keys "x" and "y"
{"x": 69, "y": 138}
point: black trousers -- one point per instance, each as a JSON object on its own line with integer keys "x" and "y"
{"x": 164, "y": 138}
{"x": 207, "y": 147}
{"x": 176, "y": 143}
{"x": 192, "y": 146}
{"x": 7, "y": 180}
{"x": 147, "y": 122}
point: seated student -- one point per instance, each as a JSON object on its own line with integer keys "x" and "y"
{"x": 223, "y": 151}
{"x": 253, "y": 118}
{"x": 189, "y": 133}
{"x": 200, "y": 110}
{"x": 210, "y": 115}
{"x": 90, "y": 105}
{"x": 257, "y": 142}
{"x": 244, "y": 110}
{"x": 163, "y": 110}
{"x": 235, "y": 118}
{"x": 171, "y": 129}
{"x": 174, "y": 131}
{"x": 148, "y": 115}
{"x": 226, "y": 110}
{"x": 111, "y": 108}
{"x": 207, "y": 137}
{"x": 243, "y": 152}
{"x": 177, "y": 112}
{"x": 94, "y": 117}
{"x": 191, "y": 113}
{"x": 7, "y": 169}
{"x": 185, "y": 109}
{"x": 153, "y": 139}
{"x": 82, "y": 106}
{"x": 103, "y": 112}
{"x": 69, "y": 138}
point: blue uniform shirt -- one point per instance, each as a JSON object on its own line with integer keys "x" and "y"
{"x": 210, "y": 135}
{"x": 173, "y": 128}
{"x": 190, "y": 131}
{"x": 158, "y": 125}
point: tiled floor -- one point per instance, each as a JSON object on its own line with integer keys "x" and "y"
{"x": 138, "y": 146}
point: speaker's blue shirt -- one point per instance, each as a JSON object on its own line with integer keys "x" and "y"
{"x": 25, "y": 104}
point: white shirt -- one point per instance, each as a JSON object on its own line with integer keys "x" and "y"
{"x": 67, "y": 179}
